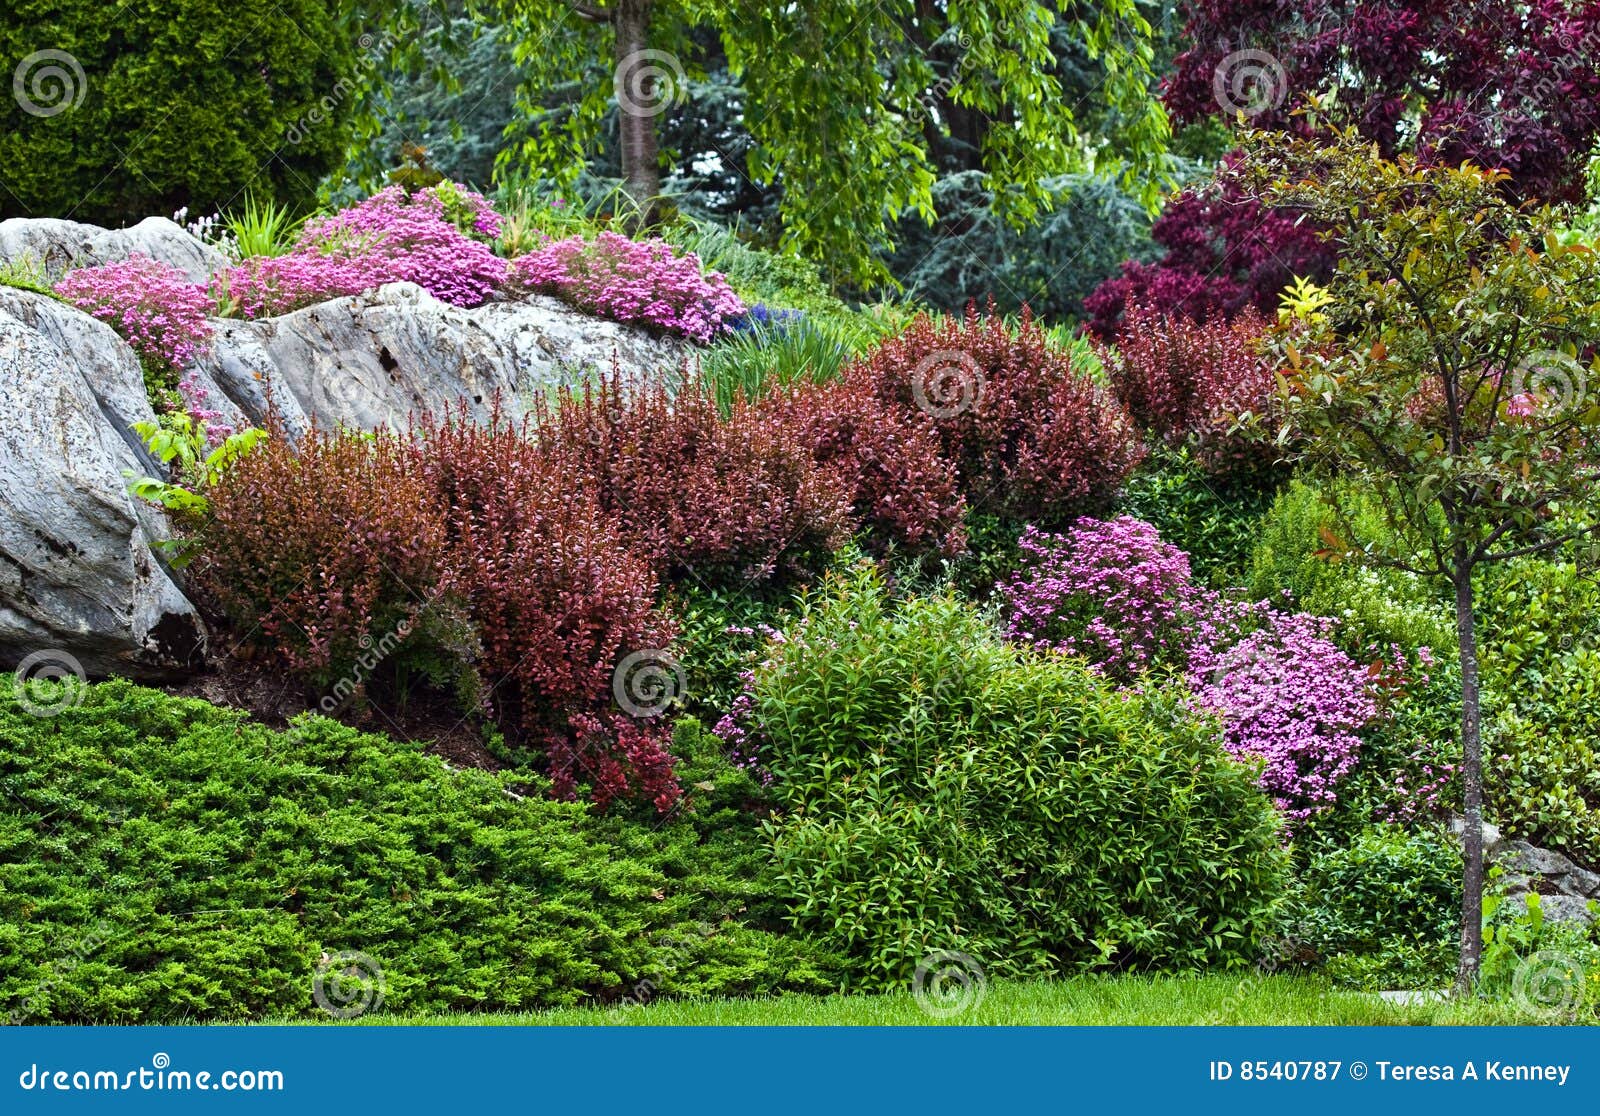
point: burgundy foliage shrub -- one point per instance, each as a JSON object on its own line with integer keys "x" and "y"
{"x": 1031, "y": 437}
{"x": 905, "y": 494}
{"x": 1186, "y": 381}
{"x": 557, "y": 600}
{"x": 1225, "y": 253}
{"x": 1508, "y": 84}
{"x": 700, "y": 495}
{"x": 323, "y": 550}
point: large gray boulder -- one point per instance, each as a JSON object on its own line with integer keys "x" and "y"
{"x": 57, "y": 245}
{"x": 79, "y": 574}
{"x": 381, "y": 358}
{"x": 80, "y": 583}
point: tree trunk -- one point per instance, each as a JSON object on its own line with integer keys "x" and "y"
{"x": 1471, "y": 779}
{"x": 641, "y": 98}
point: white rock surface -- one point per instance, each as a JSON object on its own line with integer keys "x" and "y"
{"x": 56, "y": 245}
{"x": 78, "y": 575}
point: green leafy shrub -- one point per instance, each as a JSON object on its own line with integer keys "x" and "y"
{"x": 1215, "y": 520}
{"x": 939, "y": 790}
{"x": 163, "y": 860}
{"x": 1302, "y": 547}
{"x": 1384, "y": 911}
{"x": 1541, "y": 640}
{"x": 178, "y": 104}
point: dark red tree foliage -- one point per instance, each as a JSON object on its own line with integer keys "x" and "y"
{"x": 1508, "y": 84}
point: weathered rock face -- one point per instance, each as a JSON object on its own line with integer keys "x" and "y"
{"x": 78, "y": 576}
{"x": 1564, "y": 888}
{"x": 57, "y": 245}
{"x": 375, "y": 359}
{"x": 78, "y": 573}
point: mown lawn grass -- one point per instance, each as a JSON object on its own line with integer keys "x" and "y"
{"x": 1210, "y": 1000}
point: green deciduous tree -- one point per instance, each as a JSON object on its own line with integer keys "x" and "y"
{"x": 844, "y": 101}
{"x": 1452, "y": 373}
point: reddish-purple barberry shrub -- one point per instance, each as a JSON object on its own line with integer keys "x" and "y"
{"x": 391, "y": 237}
{"x": 641, "y": 282}
{"x": 556, "y": 599}
{"x": 905, "y": 492}
{"x": 153, "y": 306}
{"x": 1031, "y": 436}
{"x": 735, "y": 498}
{"x": 1187, "y": 382}
{"x": 319, "y": 551}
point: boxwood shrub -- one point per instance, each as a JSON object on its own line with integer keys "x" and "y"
{"x": 939, "y": 790}
{"x": 164, "y": 860}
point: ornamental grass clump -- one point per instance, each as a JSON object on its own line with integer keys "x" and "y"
{"x": 153, "y": 307}
{"x": 640, "y": 282}
{"x": 437, "y": 238}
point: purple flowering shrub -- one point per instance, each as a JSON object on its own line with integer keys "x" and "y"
{"x": 1288, "y": 696}
{"x": 1115, "y": 594}
{"x": 641, "y": 282}
{"x": 1111, "y": 592}
{"x": 152, "y": 305}
{"x": 436, "y": 238}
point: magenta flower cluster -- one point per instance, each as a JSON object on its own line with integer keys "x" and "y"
{"x": 642, "y": 282}
{"x": 1115, "y": 594}
{"x": 152, "y": 305}
{"x": 1289, "y": 696}
{"x": 1111, "y": 592}
{"x": 392, "y": 237}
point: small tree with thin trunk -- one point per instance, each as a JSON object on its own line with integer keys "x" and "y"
{"x": 1449, "y": 368}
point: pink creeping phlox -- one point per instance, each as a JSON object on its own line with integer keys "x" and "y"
{"x": 641, "y": 282}
{"x": 391, "y": 237}
{"x": 152, "y": 305}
